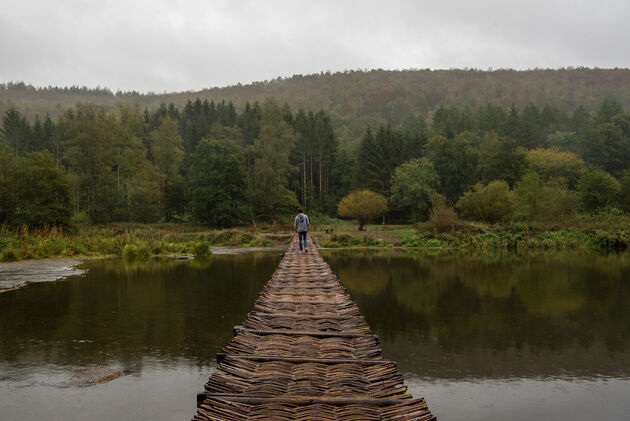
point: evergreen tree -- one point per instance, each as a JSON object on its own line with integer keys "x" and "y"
{"x": 271, "y": 163}
{"x": 530, "y": 134}
{"x": 378, "y": 157}
{"x": 500, "y": 159}
{"x": 249, "y": 123}
{"x": 49, "y": 138}
{"x": 492, "y": 118}
{"x": 455, "y": 160}
{"x": 168, "y": 154}
{"x": 16, "y": 131}
{"x": 217, "y": 184}
{"x": 415, "y": 134}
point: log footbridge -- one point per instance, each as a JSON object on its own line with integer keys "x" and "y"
{"x": 306, "y": 353}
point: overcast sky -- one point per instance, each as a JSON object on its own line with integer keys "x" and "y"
{"x": 159, "y": 45}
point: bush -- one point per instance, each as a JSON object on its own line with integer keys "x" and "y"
{"x": 130, "y": 251}
{"x": 537, "y": 201}
{"x": 442, "y": 216}
{"x": 492, "y": 203}
{"x": 202, "y": 249}
{"x": 81, "y": 218}
{"x": 9, "y": 255}
{"x": 625, "y": 191}
{"x": 598, "y": 189}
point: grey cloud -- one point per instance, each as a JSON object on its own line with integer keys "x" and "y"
{"x": 168, "y": 46}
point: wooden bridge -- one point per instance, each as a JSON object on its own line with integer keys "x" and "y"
{"x": 306, "y": 353}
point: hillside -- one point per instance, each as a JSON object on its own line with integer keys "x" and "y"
{"x": 355, "y": 99}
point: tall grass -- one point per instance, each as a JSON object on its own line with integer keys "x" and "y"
{"x": 125, "y": 240}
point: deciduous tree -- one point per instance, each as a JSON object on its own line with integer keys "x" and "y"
{"x": 414, "y": 185}
{"x": 363, "y": 205}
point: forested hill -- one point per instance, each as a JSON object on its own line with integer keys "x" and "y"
{"x": 355, "y": 99}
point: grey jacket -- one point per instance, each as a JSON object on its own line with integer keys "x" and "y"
{"x": 301, "y": 223}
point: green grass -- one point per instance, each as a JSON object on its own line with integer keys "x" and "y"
{"x": 603, "y": 232}
{"x": 126, "y": 240}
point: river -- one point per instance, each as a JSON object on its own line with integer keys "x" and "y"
{"x": 484, "y": 337}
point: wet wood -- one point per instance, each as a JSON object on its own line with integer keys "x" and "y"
{"x": 316, "y": 334}
{"x": 221, "y": 356}
{"x": 303, "y": 400}
{"x": 306, "y": 353}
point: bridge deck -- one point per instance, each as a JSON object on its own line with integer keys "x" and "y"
{"x": 305, "y": 353}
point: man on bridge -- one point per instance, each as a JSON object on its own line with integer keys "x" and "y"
{"x": 301, "y": 225}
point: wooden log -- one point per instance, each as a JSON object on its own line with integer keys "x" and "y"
{"x": 265, "y": 358}
{"x": 238, "y": 329}
{"x": 306, "y": 316}
{"x": 302, "y": 400}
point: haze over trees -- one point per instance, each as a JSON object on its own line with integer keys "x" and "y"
{"x": 356, "y": 99}
{"x": 219, "y": 164}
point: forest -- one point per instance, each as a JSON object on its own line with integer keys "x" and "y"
{"x": 355, "y": 99}
{"x": 214, "y": 164}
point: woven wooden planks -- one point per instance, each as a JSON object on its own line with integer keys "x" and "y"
{"x": 305, "y": 353}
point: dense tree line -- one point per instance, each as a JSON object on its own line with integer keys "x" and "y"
{"x": 210, "y": 163}
{"x": 354, "y": 99}
{"x": 204, "y": 162}
{"x": 563, "y": 161}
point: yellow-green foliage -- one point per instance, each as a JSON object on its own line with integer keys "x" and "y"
{"x": 202, "y": 249}
{"x": 362, "y": 205}
{"x": 540, "y": 201}
{"x": 554, "y": 163}
{"x": 492, "y": 203}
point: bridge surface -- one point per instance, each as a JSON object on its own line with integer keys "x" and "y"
{"x": 306, "y": 353}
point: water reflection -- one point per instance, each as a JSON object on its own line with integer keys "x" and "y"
{"x": 459, "y": 316}
{"x": 125, "y": 312}
{"x": 481, "y": 337}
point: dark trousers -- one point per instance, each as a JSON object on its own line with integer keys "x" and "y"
{"x": 302, "y": 236}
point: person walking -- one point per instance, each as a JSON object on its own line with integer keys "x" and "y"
{"x": 301, "y": 224}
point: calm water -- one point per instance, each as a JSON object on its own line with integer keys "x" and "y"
{"x": 537, "y": 337}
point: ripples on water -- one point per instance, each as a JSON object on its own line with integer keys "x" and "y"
{"x": 480, "y": 337}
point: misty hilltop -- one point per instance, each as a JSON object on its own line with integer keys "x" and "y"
{"x": 356, "y": 99}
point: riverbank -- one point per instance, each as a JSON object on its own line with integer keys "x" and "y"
{"x": 594, "y": 234}
{"x": 143, "y": 241}
{"x": 129, "y": 240}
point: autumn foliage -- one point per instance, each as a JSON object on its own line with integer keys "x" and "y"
{"x": 362, "y": 205}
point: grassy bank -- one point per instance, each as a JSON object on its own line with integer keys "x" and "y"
{"x": 588, "y": 233}
{"x": 602, "y": 233}
{"x": 127, "y": 240}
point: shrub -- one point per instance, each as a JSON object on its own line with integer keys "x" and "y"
{"x": 625, "y": 191}
{"x": 130, "y": 251}
{"x": 80, "y": 218}
{"x": 442, "y": 216}
{"x": 598, "y": 189}
{"x": 537, "y": 201}
{"x": 492, "y": 203}
{"x": 202, "y": 249}
{"x": 9, "y": 255}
